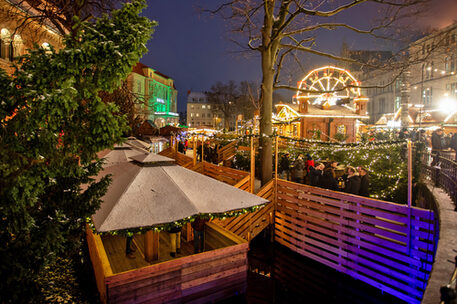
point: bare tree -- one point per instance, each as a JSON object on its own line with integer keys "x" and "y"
{"x": 249, "y": 100}
{"x": 281, "y": 28}
{"x": 59, "y": 14}
{"x": 223, "y": 98}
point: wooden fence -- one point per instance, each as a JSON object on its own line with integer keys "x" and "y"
{"x": 181, "y": 159}
{"x": 248, "y": 225}
{"x": 226, "y": 151}
{"x": 100, "y": 262}
{"x": 386, "y": 245}
{"x": 206, "y": 277}
{"x": 224, "y": 174}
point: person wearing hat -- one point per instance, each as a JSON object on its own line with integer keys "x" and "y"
{"x": 364, "y": 182}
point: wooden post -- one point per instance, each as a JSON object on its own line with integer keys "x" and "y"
{"x": 176, "y": 146}
{"x": 410, "y": 192}
{"x": 194, "y": 147}
{"x": 203, "y": 148}
{"x": 189, "y": 235}
{"x": 252, "y": 165}
{"x": 151, "y": 246}
{"x": 276, "y": 168}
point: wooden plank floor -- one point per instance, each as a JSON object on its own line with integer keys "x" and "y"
{"x": 115, "y": 250}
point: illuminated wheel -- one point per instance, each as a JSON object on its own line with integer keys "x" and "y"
{"x": 328, "y": 86}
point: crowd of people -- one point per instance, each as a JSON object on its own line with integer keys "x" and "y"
{"x": 324, "y": 175}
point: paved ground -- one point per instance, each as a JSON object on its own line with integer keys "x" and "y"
{"x": 444, "y": 266}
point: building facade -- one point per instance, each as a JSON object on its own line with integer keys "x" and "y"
{"x": 432, "y": 78}
{"x": 433, "y": 72}
{"x": 17, "y": 35}
{"x": 156, "y": 94}
{"x": 383, "y": 90}
{"x": 200, "y": 113}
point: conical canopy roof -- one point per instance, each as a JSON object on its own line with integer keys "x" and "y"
{"x": 144, "y": 196}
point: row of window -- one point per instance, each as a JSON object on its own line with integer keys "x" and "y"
{"x": 203, "y": 106}
{"x": 203, "y": 115}
{"x": 200, "y": 107}
{"x": 201, "y": 99}
{"x": 449, "y": 39}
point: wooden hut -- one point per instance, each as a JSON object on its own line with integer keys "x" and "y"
{"x": 148, "y": 191}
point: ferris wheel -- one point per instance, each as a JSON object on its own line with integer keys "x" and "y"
{"x": 326, "y": 86}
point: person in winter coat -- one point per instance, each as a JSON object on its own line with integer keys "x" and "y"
{"x": 198, "y": 226}
{"x": 364, "y": 182}
{"x": 299, "y": 168}
{"x": 328, "y": 180}
{"x": 453, "y": 145}
{"x": 315, "y": 174}
{"x": 284, "y": 166}
{"x": 352, "y": 184}
{"x": 437, "y": 145}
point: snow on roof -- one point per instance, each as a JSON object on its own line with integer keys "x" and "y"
{"x": 144, "y": 196}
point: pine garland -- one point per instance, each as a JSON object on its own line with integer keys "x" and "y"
{"x": 180, "y": 223}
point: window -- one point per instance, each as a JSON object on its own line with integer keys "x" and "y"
{"x": 452, "y": 67}
{"x": 191, "y": 106}
{"x": 447, "y": 64}
{"x": 451, "y": 88}
{"x": 197, "y": 115}
{"x": 427, "y": 96}
{"x": 203, "y": 115}
{"x": 203, "y": 106}
{"x": 209, "y": 107}
{"x": 191, "y": 114}
{"x": 5, "y": 39}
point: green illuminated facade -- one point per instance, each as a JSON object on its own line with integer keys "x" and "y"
{"x": 158, "y": 95}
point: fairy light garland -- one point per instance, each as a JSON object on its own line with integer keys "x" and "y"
{"x": 182, "y": 222}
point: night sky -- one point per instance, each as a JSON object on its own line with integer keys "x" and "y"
{"x": 194, "y": 48}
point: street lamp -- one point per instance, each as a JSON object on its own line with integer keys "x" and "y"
{"x": 448, "y": 105}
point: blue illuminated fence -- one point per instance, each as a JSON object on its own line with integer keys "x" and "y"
{"x": 386, "y": 245}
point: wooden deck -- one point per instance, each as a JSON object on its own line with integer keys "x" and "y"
{"x": 115, "y": 250}
{"x": 210, "y": 276}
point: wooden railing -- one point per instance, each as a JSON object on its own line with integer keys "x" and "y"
{"x": 224, "y": 174}
{"x": 248, "y": 225}
{"x": 181, "y": 159}
{"x": 100, "y": 262}
{"x": 226, "y": 151}
{"x": 386, "y": 245}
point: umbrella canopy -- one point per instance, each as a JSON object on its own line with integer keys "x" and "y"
{"x": 151, "y": 191}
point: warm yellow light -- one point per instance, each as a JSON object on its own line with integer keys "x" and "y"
{"x": 448, "y": 105}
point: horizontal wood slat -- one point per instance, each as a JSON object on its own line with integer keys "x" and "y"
{"x": 363, "y": 237}
{"x": 187, "y": 277}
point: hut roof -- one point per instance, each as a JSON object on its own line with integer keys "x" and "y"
{"x": 144, "y": 196}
